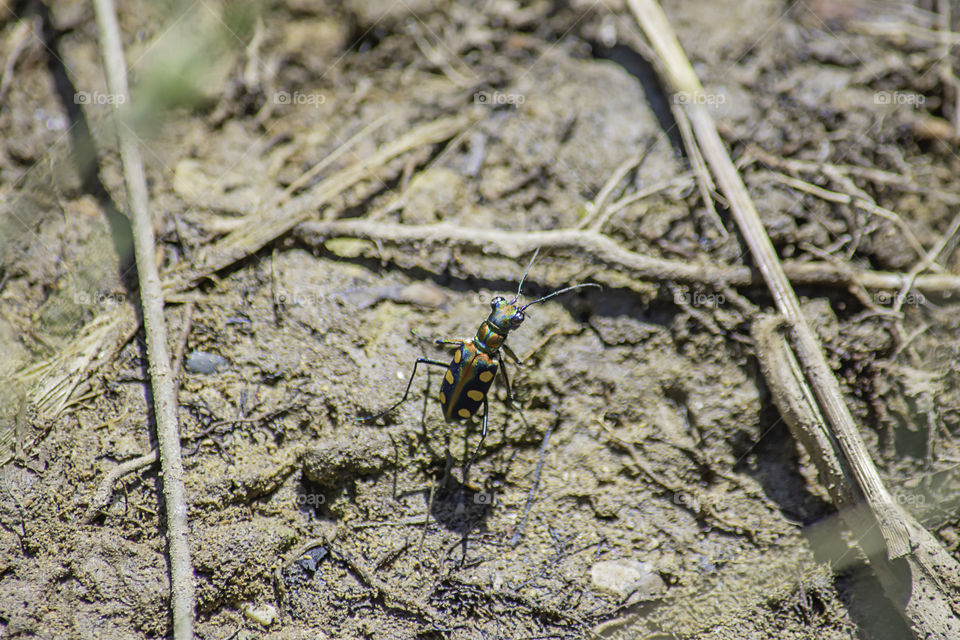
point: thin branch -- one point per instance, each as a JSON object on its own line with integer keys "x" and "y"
{"x": 151, "y": 300}
{"x": 843, "y": 198}
{"x": 266, "y": 226}
{"x": 928, "y": 599}
{"x": 434, "y": 241}
{"x": 901, "y": 182}
{"x": 327, "y": 160}
{"x": 682, "y": 180}
{"x": 704, "y": 180}
{"x": 928, "y": 260}
{"x": 104, "y": 493}
{"x": 595, "y": 210}
{"x": 683, "y": 79}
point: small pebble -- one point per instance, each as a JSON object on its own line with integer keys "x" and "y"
{"x": 263, "y": 615}
{"x": 627, "y": 579}
{"x": 310, "y": 560}
{"x": 203, "y": 362}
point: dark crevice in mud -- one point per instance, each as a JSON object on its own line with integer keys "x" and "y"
{"x": 657, "y": 99}
{"x": 772, "y": 460}
{"x": 770, "y": 456}
{"x": 365, "y": 38}
{"x": 868, "y": 604}
{"x": 84, "y": 150}
{"x": 582, "y": 303}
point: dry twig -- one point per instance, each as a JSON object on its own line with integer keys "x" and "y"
{"x": 928, "y": 261}
{"x": 435, "y": 242}
{"x": 931, "y": 571}
{"x": 151, "y": 296}
{"x": 595, "y": 217}
{"x": 104, "y": 493}
{"x": 843, "y": 198}
{"x": 704, "y": 180}
{"x": 901, "y": 182}
{"x": 19, "y": 40}
{"x": 265, "y": 226}
{"x": 928, "y": 598}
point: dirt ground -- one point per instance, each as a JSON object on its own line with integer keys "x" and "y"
{"x": 672, "y": 502}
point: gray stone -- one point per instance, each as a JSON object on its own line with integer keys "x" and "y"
{"x": 627, "y": 579}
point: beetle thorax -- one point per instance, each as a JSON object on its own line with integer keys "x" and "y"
{"x": 489, "y": 337}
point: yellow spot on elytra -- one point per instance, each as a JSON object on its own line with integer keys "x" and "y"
{"x": 475, "y": 395}
{"x": 486, "y": 376}
{"x": 448, "y": 377}
{"x": 457, "y": 356}
{"x": 464, "y": 413}
{"x": 443, "y": 398}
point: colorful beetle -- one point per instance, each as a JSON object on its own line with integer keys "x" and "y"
{"x": 474, "y": 366}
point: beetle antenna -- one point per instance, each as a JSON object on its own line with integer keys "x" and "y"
{"x": 516, "y": 297}
{"x": 556, "y": 293}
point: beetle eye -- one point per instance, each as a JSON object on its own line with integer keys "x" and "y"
{"x": 517, "y": 318}
{"x": 496, "y": 302}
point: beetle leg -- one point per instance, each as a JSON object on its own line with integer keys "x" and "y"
{"x": 510, "y": 354}
{"x": 483, "y": 426}
{"x": 506, "y": 382}
{"x": 456, "y": 342}
{"x": 483, "y": 436}
{"x": 407, "y": 392}
{"x": 509, "y": 401}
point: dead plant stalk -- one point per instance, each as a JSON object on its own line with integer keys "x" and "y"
{"x": 151, "y": 296}
{"x": 927, "y": 595}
